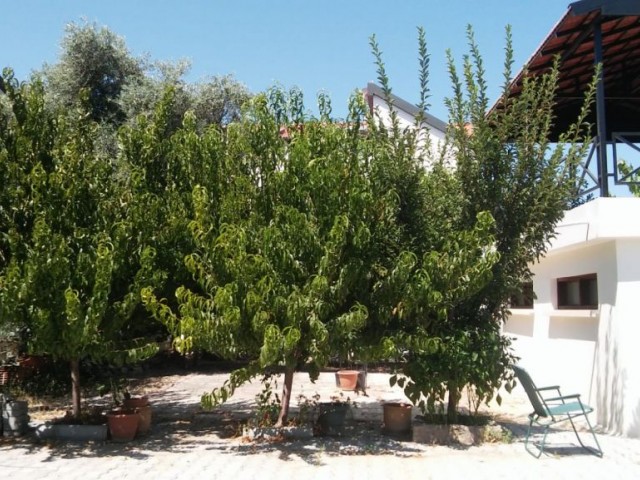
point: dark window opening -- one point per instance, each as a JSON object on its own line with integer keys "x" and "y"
{"x": 524, "y": 298}
{"x": 578, "y": 292}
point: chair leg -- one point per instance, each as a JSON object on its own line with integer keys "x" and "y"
{"x": 526, "y": 440}
{"x": 544, "y": 440}
{"x": 595, "y": 451}
{"x": 540, "y": 447}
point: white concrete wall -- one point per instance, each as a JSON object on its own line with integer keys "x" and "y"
{"x": 407, "y": 120}
{"x": 600, "y": 219}
{"x": 592, "y": 352}
{"x": 619, "y": 363}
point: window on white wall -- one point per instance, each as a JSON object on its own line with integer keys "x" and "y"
{"x": 524, "y": 298}
{"x": 578, "y": 292}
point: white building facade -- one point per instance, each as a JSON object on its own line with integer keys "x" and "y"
{"x": 406, "y": 114}
{"x": 583, "y": 330}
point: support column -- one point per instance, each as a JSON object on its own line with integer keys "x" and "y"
{"x": 603, "y": 174}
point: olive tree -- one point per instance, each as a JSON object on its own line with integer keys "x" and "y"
{"x": 213, "y": 101}
{"x": 95, "y": 60}
{"x": 121, "y": 86}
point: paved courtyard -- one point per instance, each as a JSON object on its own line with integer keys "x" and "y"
{"x": 186, "y": 442}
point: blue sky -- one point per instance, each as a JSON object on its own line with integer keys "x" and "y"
{"x": 321, "y": 45}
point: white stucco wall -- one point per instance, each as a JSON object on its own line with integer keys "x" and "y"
{"x": 406, "y": 114}
{"x": 406, "y": 120}
{"x": 592, "y": 352}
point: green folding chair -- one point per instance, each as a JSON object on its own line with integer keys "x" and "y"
{"x": 548, "y": 411}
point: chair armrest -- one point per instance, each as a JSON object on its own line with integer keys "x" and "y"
{"x": 554, "y": 387}
{"x": 563, "y": 398}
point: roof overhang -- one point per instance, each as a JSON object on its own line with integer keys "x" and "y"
{"x": 573, "y": 41}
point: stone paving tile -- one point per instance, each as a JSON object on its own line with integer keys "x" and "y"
{"x": 188, "y": 443}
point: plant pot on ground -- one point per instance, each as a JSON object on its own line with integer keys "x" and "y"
{"x": 397, "y": 417}
{"x": 348, "y": 379}
{"x": 14, "y": 418}
{"x": 123, "y": 424}
{"x": 332, "y": 417}
{"x": 141, "y": 405}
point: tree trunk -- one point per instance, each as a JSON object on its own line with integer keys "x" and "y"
{"x": 286, "y": 397}
{"x": 75, "y": 386}
{"x": 452, "y": 405}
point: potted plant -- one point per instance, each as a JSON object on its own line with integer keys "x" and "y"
{"x": 332, "y": 415}
{"x": 142, "y": 406}
{"x": 124, "y": 420}
{"x": 123, "y": 424}
{"x": 14, "y": 417}
{"x": 353, "y": 379}
{"x": 397, "y": 417}
{"x": 347, "y": 379}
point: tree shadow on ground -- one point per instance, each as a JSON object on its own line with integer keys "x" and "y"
{"x": 181, "y": 426}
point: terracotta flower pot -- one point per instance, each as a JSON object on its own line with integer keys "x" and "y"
{"x": 135, "y": 402}
{"x": 123, "y": 425}
{"x": 347, "y": 379}
{"x": 397, "y": 417}
{"x": 140, "y": 405}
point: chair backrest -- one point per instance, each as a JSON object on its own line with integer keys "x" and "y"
{"x": 532, "y": 392}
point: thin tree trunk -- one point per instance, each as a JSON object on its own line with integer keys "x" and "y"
{"x": 286, "y": 397}
{"x": 452, "y": 404}
{"x": 75, "y": 386}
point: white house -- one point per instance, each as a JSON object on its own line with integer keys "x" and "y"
{"x": 406, "y": 114}
{"x": 583, "y": 330}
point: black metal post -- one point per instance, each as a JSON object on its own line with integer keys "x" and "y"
{"x": 603, "y": 175}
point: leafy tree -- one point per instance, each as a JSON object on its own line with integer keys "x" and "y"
{"x": 218, "y": 100}
{"x": 121, "y": 87}
{"x": 308, "y": 246}
{"x": 505, "y": 165}
{"x": 627, "y": 169}
{"x": 66, "y": 239}
{"x": 270, "y": 263}
{"x": 160, "y": 170}
{"x": 96, "y": 60}
{"x": 215, "y": 101}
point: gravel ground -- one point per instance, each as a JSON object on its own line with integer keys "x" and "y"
{"x": 188, "y": 442}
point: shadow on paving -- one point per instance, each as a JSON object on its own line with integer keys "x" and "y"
{"x": 181, "y": 426}
{"x": 557, "y": 444}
